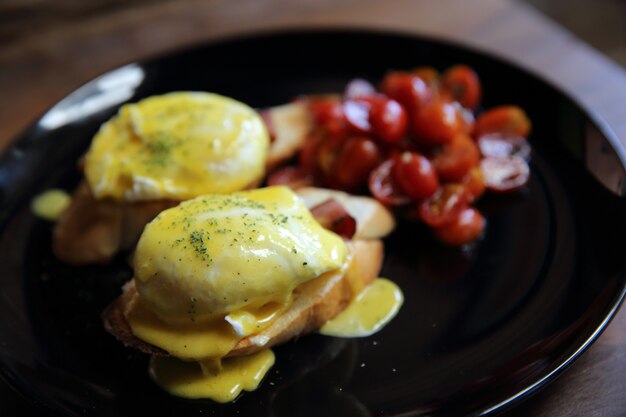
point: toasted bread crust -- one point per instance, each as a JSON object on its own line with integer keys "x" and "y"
{"x": 315, "y": 302}
{"x": 116, "y": 324}
{"x": 319, "y": 300}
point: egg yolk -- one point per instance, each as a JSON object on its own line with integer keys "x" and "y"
{"x": 177, "y": 146}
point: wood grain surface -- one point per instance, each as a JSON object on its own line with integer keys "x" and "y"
{"x": 49, "y": 48}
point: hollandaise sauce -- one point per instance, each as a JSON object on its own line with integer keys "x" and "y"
{"x": 177, "y": 146}
{"x": 216, "y": 269}
{"x": 191, "y": 380}
{"x": 191, "y": 341}
{"x": 50, "y": 204}
{"x": 218, "y": 254}
{"x": 369, "y": 312}
{"x": 249, "y": 321}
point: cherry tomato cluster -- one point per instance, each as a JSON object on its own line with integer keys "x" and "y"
{"x": 417, "y": 143}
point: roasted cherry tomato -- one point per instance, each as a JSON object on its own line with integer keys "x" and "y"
{"x": 462, "y": 83}
{"x": 443, "y": 206}
{"x": 437, "y": 122}
{"x": 384, "y": 188}
{"x": 293, "y": 177}
{"x": 422, "y": 126}
{"x": 454, "y": 160}
{"x": 358, "y": 88}
{"x": 415, "y": 175}
{"x": 507, "y": 120}
{"x": 464, "y": 228}
{"x": 474, "y": 183}
{"x": 429, "y": 74}
{"x": 389, "y": 120}
{"x": 357, "y": 157}
{"x": 407, "y": 89}
{"x": 497, "y": 144}
{"x": 504, "y": 173}
{"x": 307, "y": 158}
{"x": 327, "y": 152}
{"x": 468, "y": 120}
{"x": 325, "y": 108}
{"x": 357, "y": 114}
{"x": 328, "y": 113}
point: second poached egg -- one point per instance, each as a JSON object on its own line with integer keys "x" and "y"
{"x": 177, "y": 146}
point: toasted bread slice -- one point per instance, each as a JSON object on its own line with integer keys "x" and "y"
{"x": 314, "y": 303}
{"x": 374, "y": 220}
{"x": 291, "y": 124}
{"x": 93, "y": 231}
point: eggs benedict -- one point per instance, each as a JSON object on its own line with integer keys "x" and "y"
{"x": 151, "y": 155}
{"x": 229, "y": 276}
{"x": 177, "y": 146}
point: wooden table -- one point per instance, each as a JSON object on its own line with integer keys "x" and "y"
{"x": 71, "y": 43}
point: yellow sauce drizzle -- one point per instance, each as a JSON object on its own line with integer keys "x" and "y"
{"x": 50, "y": 204}
{"x": 368, "y": 313}
{"x": 177, "y": 146}
{"x": 190, "y": 380}
{"x": 246, "y": 322}
{"x": 212, "y": 339}
{"x": 216, "y": 254}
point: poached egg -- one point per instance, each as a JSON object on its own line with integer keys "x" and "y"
{"x": 217, "y": 268}
{"x": 177, "y": 146}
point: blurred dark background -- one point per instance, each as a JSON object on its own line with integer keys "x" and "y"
{"x": 601, "y": 23}
{"x": 37, "y": 37}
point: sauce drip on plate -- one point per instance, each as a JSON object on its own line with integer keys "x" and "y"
{"x": 50, "y": 204}
{"x": 369, "y": 312}
{"x": 191, "y": 380}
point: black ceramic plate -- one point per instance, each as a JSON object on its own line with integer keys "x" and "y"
{"x": 481, "y": 327}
